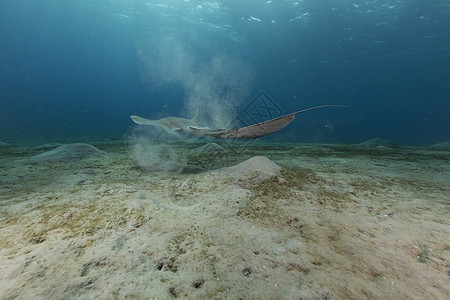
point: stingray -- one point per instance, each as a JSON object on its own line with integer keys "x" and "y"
{"x": 248, "y": 132}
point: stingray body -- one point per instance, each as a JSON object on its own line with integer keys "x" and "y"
{"x": 248, "y": 132}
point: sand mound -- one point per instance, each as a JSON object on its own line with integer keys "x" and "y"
{"x": 376, "y": 142}
{"x": 3, "y": 144}
{"x": 47, "y": 146}
{"x": 253, "y": 171}
{"x": 441, "y": 146}
{"x": 67, "y": 153}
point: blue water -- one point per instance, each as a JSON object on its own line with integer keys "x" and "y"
{"x": 81, "y": 67}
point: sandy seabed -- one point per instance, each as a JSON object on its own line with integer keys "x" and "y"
{"x": 296, "y": 221}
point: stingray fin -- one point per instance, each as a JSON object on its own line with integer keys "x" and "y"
{"x": 142, "y": 121}
{"x": 256, "y": 130}
{"x": 253, "y": 131}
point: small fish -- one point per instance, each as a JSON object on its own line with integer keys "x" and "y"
{"x": 251, "y": 18}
